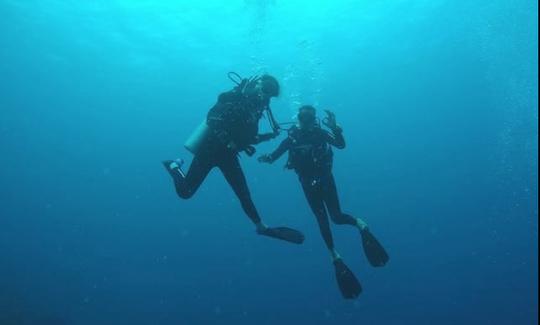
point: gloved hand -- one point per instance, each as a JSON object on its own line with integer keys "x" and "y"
{"x": 250, "y": 151}
{"x": 265, "y": 159}
{"x": 330, "y": 121}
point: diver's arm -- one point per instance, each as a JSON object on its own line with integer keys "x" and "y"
{"x": 214, "y": 117}
{"x": 283, "y": 147}
{"x": 226, "y": 122}
{"x": 336, "y": 138}
{"x": 222, "y": 115}
{"x": 265, "y": 137}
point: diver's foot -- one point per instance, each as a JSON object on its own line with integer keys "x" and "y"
{"x": 348, "y": 284}
{"x": 261, "y": 227}
{"x": 283, "y": 233}
{"x": 174, "y": 166}
{"x": 361, "y": 224}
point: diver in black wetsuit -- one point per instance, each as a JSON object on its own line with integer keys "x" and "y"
{"x": 311, "y": 156}
{"x": 233, "y": 127}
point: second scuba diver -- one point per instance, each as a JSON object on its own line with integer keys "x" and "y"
{"x": 232, "y": 127}
{"x": 311, "y": 156}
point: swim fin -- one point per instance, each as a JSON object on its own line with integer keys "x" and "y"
{"x": 348, "y": 284}
{"x": 283, "y": 233}
{"x": 375, "y": 252}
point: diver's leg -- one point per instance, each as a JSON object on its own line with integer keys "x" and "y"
{"x": 331, "y": 199}
{"x": 374, "y": 251}
{"x": 316, "y": 203}
{"x": 348, "y": 284}
{"x": 187, "y": 185}
{"x": 231, "y": 169}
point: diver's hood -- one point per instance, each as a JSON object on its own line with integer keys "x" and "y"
{"x": 264, "y": 86}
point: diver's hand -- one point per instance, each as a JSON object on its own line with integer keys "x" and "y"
{"x": 330, "y": 121}
{"x": 265, "y": 159}
{"x": 250, "y": 150}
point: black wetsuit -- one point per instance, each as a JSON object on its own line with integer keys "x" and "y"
{"x": 234, "y": 126}
{"x": 311, "y": 156}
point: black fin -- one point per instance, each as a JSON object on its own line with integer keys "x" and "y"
{"x": 348, "y": 284}
{"x": 284, "y": 233}
{"x": 375, "y": 252}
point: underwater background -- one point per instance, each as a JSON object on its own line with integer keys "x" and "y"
{"x": 438, "y": 100}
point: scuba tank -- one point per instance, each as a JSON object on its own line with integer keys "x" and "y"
{"x": 198, "y": 138}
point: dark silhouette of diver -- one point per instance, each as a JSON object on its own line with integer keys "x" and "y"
{"x": 310, "y": 155}
{"x": 231, "y": 127}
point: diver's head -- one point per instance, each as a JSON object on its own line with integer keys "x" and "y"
{"x": 307, "y": 117}
{"x": 269, "y": 86}
{"x": 264, "y": 88}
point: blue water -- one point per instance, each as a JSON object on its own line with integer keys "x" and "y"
{"x": 438, "y": 100}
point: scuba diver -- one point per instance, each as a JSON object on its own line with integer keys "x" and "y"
{"x": 310, "y": 155}
{"x": 232, "y": 127}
